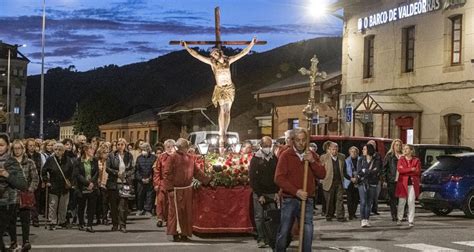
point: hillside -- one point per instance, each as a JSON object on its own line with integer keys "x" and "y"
{"x": 166, "y": 80}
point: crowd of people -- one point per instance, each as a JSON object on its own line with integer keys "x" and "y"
{"x": 276, "y": 175}
{"x": 68, "y": 181}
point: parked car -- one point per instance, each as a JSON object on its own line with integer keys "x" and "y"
{"x": 449, "y": 184}
{"x": 427, "y": 153}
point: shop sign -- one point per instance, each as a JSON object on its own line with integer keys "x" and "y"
{"x": 403, "y": 11}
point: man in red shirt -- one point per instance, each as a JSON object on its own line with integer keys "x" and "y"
{"x": 162, "y": 196}
{"x": 289, "y": 177}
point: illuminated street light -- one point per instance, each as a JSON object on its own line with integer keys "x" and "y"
{"x": 320, "y": 8}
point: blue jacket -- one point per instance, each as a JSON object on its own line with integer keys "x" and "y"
{"x": 350, "y": 169}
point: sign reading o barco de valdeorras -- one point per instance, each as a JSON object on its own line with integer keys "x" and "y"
{"x": 403, "y": 11}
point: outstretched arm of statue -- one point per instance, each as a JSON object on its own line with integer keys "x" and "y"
{"x": 244, "y": 52}
{"x": 196, "y": 54}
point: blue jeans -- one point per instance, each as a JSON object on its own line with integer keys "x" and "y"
{"x": 290, "y": 209}
{"x": 367, "y": 194}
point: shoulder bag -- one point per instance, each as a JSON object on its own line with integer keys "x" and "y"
{"x": 67, "y": 183}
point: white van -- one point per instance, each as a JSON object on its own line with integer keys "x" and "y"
{"x": 212, "y": 137}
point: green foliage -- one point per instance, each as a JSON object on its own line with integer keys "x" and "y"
{"x": 95, "y": 110}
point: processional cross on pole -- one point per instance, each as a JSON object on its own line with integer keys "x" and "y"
{"x": 310, "y": 112}
{"x": 224, "y": 90}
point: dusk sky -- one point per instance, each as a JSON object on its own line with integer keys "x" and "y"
{"x": 94, "y": 33}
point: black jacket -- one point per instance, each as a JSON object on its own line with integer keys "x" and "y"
{"x": 390, "y": 167}
{"x": 112, "y": 168}
{"x": 55, "y": 177}
{"x": 80, "y": 176}
{"x": 262, "y": 174}
{"x": 369, "y": 172}
{"x": 144, "y": 167}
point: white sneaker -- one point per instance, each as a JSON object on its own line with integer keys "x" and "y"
{"x": 367, "y": 223}
{"x": 363, "y": 223}
{"x": 411, "y": 224}
{"x": 399, "y": 222}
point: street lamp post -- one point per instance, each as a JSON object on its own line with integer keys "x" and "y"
{"x": 42, "y": 71}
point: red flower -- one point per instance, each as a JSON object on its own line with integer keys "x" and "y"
{"x": 246, "y": 161}
{"x": 236, "y": 171}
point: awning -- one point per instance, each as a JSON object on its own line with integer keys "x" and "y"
{"x": 375, "y": 103}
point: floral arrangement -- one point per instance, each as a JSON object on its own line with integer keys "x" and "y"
{"x": 229, "y": 171}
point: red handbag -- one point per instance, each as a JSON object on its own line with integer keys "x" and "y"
{"x": 27, "y": 200}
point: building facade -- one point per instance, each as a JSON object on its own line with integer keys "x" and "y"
{"x": 408, "y": 70}
{"x": 13, "y": 120}
{"x": 66, "y": 130}
{"x": 289, "y": 97}
{"x": 142, "y": 125}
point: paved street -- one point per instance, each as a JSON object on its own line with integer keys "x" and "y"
{"x": 431, "y": 233}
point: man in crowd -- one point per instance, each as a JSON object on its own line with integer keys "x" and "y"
{"x": 144, "y": 177}
{"x": 178, "y": 177}
{"x": 262, "y": 172}
{"x": 289, "y": 177}
{"x": 162, "y": 194}
{"x": 334, "y": 163}
{"x": 36, "y": 157}
{"x": 375, "y": 204}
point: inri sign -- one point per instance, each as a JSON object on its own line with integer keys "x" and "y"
{"x": 401, "y": 12}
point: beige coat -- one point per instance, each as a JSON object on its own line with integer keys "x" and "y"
{"x": 326, "y": 160}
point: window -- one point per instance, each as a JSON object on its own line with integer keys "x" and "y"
{"x": 18, "y": 91}
{"x": 123, "y": 134}
{"x": 16, "y": 110}
{"x": 369, "y": 56}
{"x": 408, "y": 43}
{"x": 138, "y": 135}
{"x": 146, "y": 136}
{"x": 131, "y": 136}
{"x": 456, "y": 39}
{"x": 293, "y": 123}
{"x": 454, "y": 129}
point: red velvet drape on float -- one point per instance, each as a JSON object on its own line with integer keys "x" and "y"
{"x": 223, "y": 210}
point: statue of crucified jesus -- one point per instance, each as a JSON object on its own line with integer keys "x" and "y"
{"x": 224, "y": 91}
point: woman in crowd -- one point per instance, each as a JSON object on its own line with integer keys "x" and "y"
{"x": 47, "y": 150}
{"x": 31, "y": 176}
{"x": 11, "y": 180}
{"x": 368, "y": 172}
{"x": 32, "y": 154}
{"x": 86, "y": 175}
{"x": 120, "y": 170}
{"x": 390, "y": 174}
{"x": 60, "y": 170}
{"x": 102, "y": 154}
{"x": 408, "y": 184}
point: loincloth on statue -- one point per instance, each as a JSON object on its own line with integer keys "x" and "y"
{"x": 223, "y": 94}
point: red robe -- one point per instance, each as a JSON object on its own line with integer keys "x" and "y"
{"x": 179, "y": 172}
{"x": 161, "y": 194}
{"x": 404, "y": 170}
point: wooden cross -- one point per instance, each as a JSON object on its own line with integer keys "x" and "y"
{"x": 218, "y": 42}
{"x": 313, "y": 73}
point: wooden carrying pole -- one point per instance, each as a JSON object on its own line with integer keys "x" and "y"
{"x": 305, "y": 185}
{"x": 311, "y": 113}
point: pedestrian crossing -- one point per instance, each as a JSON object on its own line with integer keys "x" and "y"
{"x": 468, "y": 246}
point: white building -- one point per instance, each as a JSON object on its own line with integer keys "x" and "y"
{"x": 408, "y": 69}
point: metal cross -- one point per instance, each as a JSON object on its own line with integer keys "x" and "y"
{"x": 310, "y": 110}
{"x": 218, "y": 42}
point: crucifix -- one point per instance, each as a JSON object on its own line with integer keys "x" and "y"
{"x": 310, "y": 112}
{"x": 224, "y": 90}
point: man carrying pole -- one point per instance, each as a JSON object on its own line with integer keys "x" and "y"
{"x": 290, "y": 177}
{"x": 292, "y": 173}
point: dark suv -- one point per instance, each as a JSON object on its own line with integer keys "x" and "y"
{"x": 427, "y": 153}
{"x": 449, "y": 184}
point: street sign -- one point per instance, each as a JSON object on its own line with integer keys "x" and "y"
{"x": 349, "y": 114}
{"x": 315, "y": 120}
